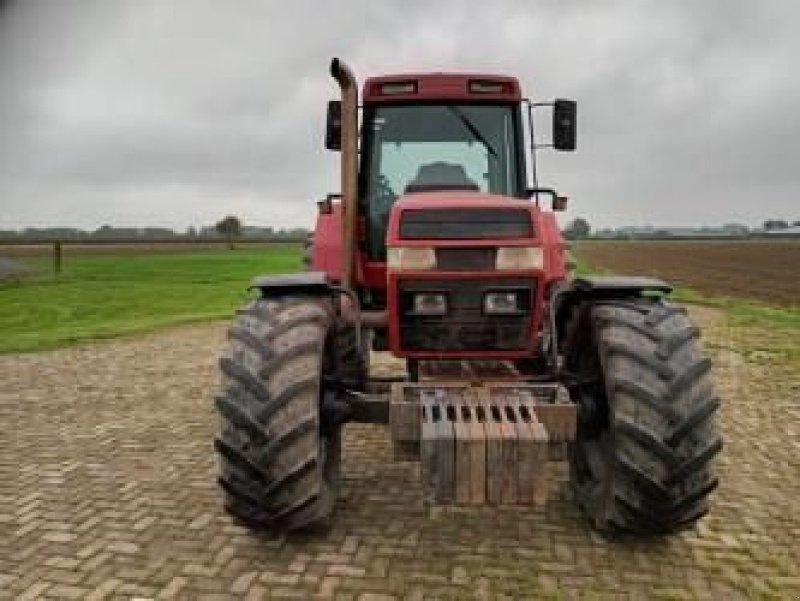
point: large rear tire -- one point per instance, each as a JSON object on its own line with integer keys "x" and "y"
{"x": 641, "y": 462}
{"x": 279, "y": 465}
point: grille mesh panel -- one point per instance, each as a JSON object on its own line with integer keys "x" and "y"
{"x": 464, "y": 327}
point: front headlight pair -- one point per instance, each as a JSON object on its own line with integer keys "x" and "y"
{"x": 495, "y": 302}
{"x": 507, "y": 258}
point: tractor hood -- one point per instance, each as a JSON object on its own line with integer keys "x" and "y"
{"x": 462, "y": 217}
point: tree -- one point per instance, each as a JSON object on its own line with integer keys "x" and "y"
{"x": 577, "y": 229}
{"x": 775, "y": 224}
{"x": 230, "y": 228}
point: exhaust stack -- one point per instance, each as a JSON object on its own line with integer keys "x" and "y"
{"x": 349, "y": 167}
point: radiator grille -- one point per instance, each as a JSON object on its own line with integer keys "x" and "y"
{"x": 466, "y": 259}
{"x": 465, "y": 327}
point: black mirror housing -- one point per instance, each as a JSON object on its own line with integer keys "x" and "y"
{"x": 333, "y": 127}
{"x": 565, "y": 124}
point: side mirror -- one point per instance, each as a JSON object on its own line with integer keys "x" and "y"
{"x": 333, "y": 127}
{"x": 560, "y": 203}
{"x": 565, "y": 124}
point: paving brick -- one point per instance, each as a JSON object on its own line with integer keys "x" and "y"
{"x": 123, "y": 547}
{"x": 33, "y": 591}
{"x": 173, "y": 588}
{"x": 65, "y": 591}
{"x": 242, "y": 583}
{"x": 59, "y": 537}
{"x": 346, "y": 570}
{"x": 104, "y": 590}
{"x": 113, "y": 496}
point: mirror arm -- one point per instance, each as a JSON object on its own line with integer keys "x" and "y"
{"x": 531, "y": 129}
{"x": 559, "y": 203}
{"x": 535, "y": 191}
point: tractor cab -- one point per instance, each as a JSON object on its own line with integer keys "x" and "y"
{"x": 436, "y": 132}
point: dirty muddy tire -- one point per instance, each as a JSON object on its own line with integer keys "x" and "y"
{"x": 641, "y": 462}
{"x": 278, "y": 464}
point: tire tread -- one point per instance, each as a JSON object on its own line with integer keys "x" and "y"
{"x": 662, "y": 439}
{"x": 269, "y": 441}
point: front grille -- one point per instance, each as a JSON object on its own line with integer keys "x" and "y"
{"x": 465, "y": 327}
{"x": 465, "y": 224}
{"x": 466, "y": 259}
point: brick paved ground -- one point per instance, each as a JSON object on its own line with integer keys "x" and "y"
{"x": 107, "y": 490}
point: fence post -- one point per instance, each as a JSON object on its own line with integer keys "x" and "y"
{"x": 57, "y": 257}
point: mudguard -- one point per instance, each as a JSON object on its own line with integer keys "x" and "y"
{"x": 308, "y": 282}
{"x": 570, "y": 293}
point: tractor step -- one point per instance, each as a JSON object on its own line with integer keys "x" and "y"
{"x": 482, "y": 444}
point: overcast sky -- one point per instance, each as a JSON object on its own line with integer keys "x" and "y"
{"x": 176, "y": 112}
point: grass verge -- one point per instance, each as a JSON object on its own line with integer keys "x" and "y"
{"x": 104, "y": 296}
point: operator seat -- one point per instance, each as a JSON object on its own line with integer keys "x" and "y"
{"x": 434, "y": 177}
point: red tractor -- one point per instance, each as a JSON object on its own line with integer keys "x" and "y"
{"x": 438, "y": 250}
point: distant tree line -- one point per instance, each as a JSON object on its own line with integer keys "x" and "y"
{"x": 231, "y": 229}
{"x": 228, "y": 229}
{"x": 579, "y": 228}
{"x": 779, "y": 224}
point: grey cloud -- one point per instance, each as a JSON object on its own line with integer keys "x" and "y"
{"x": 177, "y": 112}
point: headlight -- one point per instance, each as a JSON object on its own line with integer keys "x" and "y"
{"x": 506, "y": 302}
{"x": 410, "y": 258}
{"x": 430, "y": 303}
{"x": 520, "y": 257}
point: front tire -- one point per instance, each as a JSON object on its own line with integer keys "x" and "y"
{"x": 641, "y": 462}
{"x": 279, "y": 465}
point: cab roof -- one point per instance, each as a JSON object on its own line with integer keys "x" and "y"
{"x": 429, "y": 87}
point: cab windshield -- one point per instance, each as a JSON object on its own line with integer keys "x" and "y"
{"x": 426, "y": 148}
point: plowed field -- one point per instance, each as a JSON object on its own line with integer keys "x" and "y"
{"x": 767, "y": 271}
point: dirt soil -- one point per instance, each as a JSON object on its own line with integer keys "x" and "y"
{"x": 768, "y": 271}
{"x": 107, "y": 489}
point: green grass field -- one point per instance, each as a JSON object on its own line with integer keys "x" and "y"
{"x": 105, "y": 295}
{"x": 108, "y": 295}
